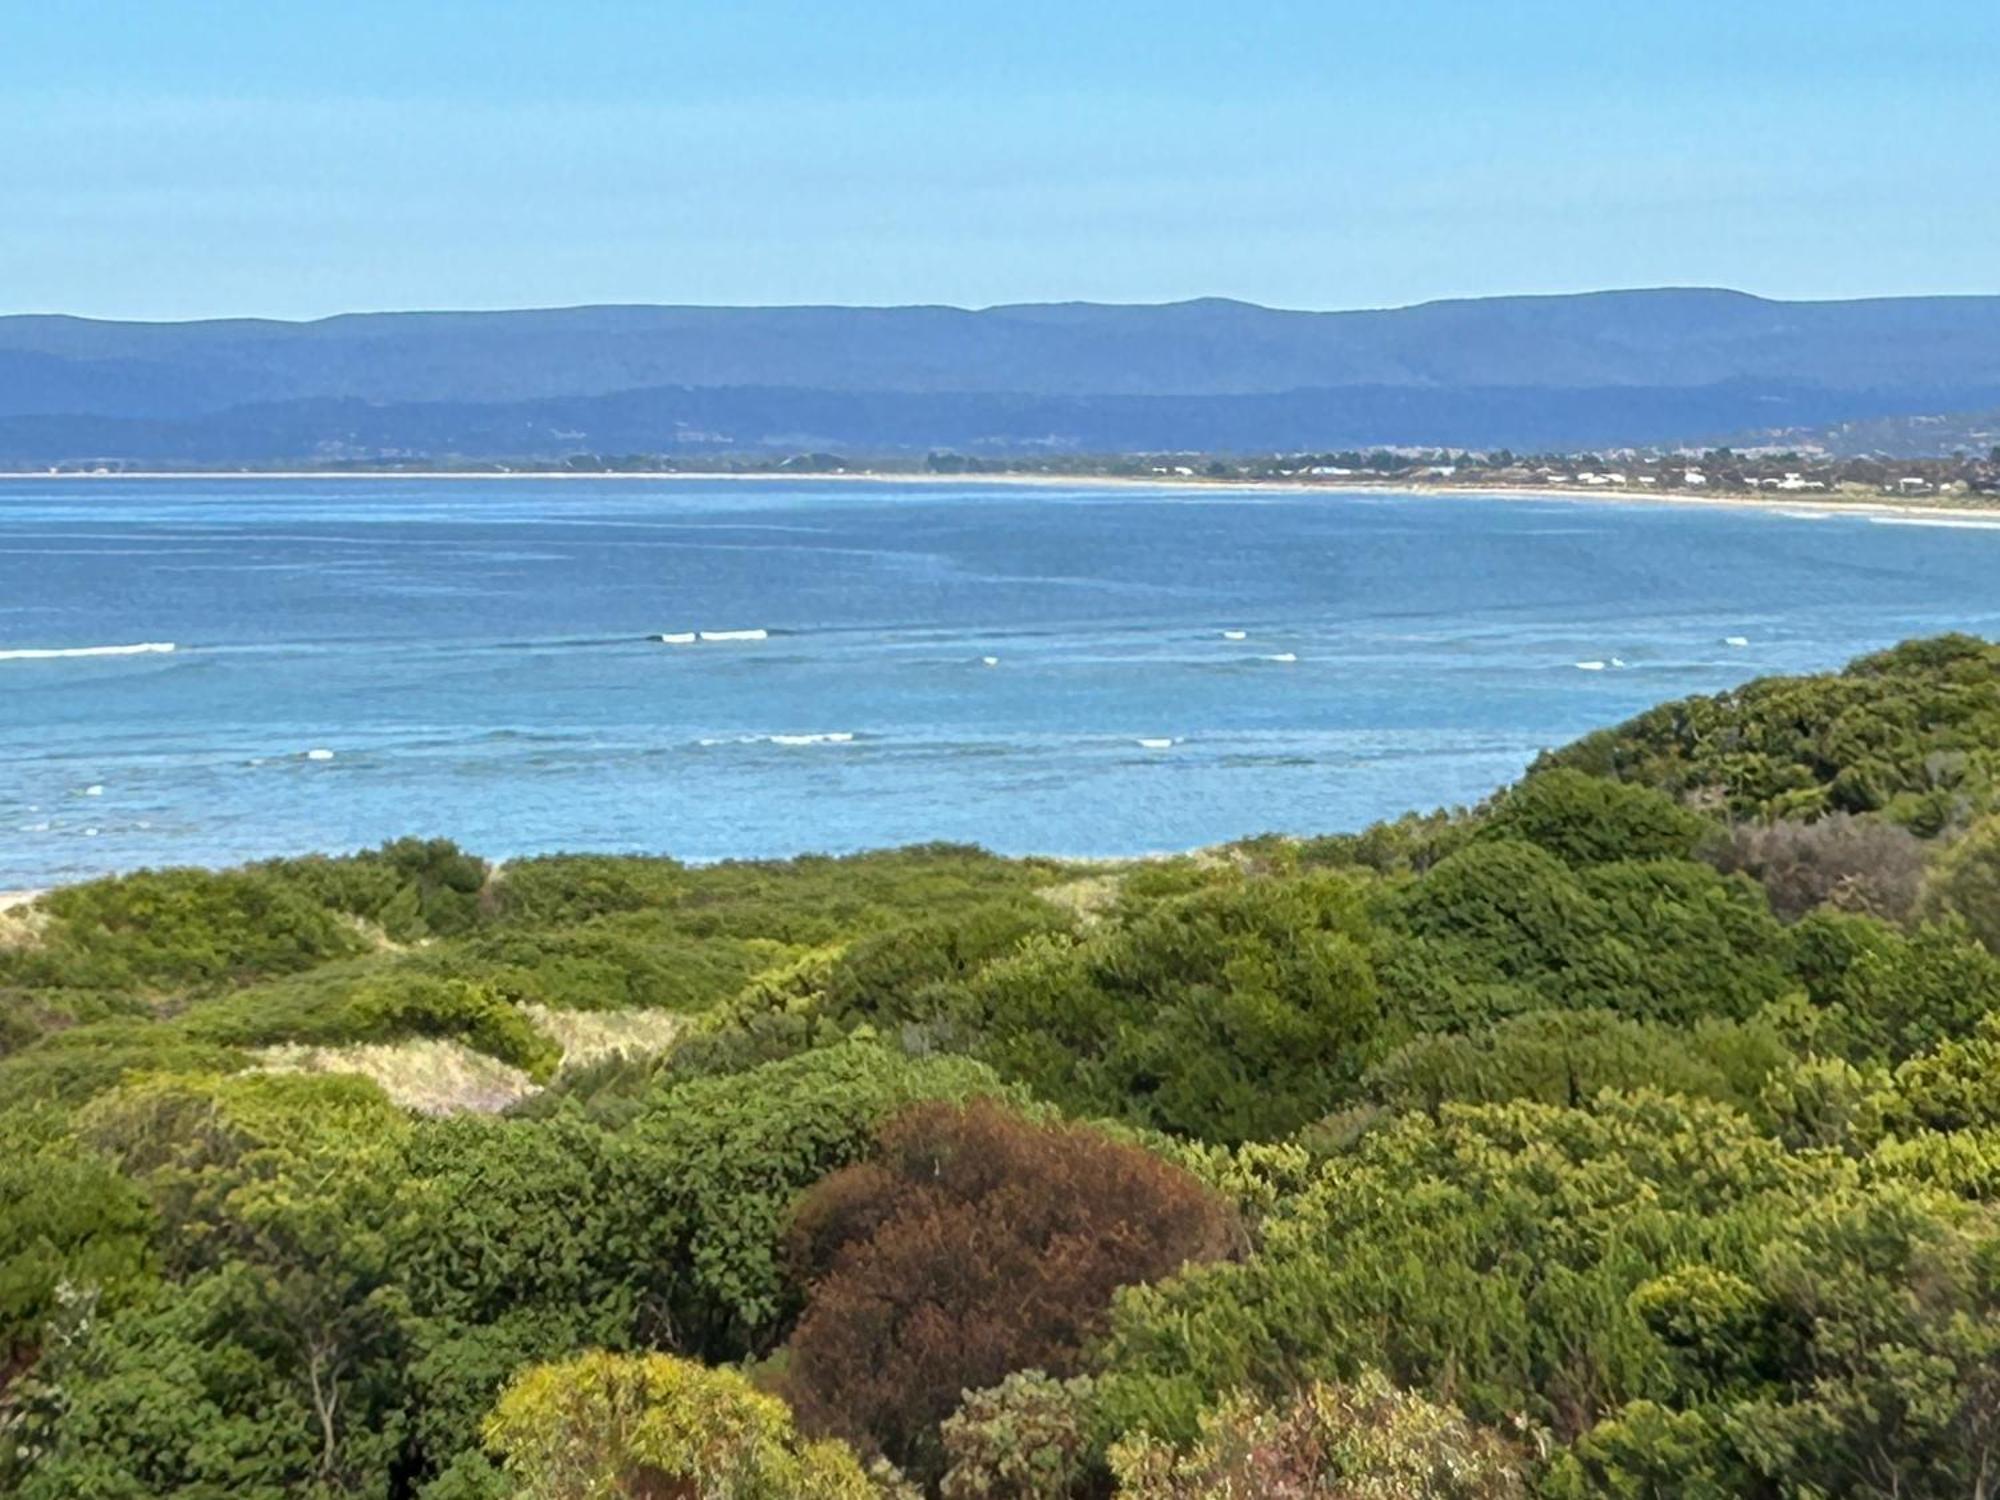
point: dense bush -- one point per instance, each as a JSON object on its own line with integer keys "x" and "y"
{"x": 380, "y": 1001}
{"x": 1681, "y": 1180}
{"x": 1410, "y": 844}
{"x": 1886, "y": 995}
{"x": 1237, "y": 1012}
{"x": 177, "y": 930}
{"x": 1570, "y": 1057}
{"x": 883, "y": 977}
{"x": 973, "y": 1243}
{"x": 410, "y": 889}
{"x": 1913, "y": 732}
{"x": 1847, "y": 862}
{"x": 1587, "y": 820}
{"x": 1966, "y": 883}
{"x": 1491, "y": 1253}
{"x": 1028, "y": 1438}
{"x": 1506, "y": 926}
{"x": 657, "y": 1428}
{"x": 66, "y": 1216}
{"x": 1329, "y": 1442}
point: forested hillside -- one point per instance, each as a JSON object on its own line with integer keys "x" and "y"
{"x": 1635, "y": 1134}
{"x": 1601, "y": 369}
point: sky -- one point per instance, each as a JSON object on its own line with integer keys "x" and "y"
{"x": 211, "y": 158}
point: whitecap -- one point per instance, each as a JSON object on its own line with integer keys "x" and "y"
{"x": 676, "y": 638}
{"x": 1736, "y": 640}
{"x": 93, "y": 790}
{"x": 1156, "y": 744}
{"x": 734, "y": 635}
{"x": 1616, "y": 662}
{"x": 317, "y": 754}
{"x": 989, "y": 661}
{"x": 52, "y": 653}
{"x": 1235, "y": 635}
{"x": 1950, "y": 523}
{"x": 838, "y": 738}
{"x": 1284, "y": 656}
{"x": 1590, "y": 666}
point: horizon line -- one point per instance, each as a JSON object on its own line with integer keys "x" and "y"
{"x": 1670, "y": 289}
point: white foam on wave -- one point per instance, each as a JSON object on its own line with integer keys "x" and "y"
{"x": 1284, "y": 656}
{"x": 1736, "y": 640}
{"x": 1590, "y": 666}
{"x": 56, "y": 653}
{"x": 93, "y": 790}
{"x": 1235, "y": 635}
{"x": 319, "y": 754}
{"x": 689, "y": 637}
{"x": 1950, "y": 523}
{"x": 1161, "y": 743}
{"x": 842, "y": 737}
{"x": 989, "y": 661}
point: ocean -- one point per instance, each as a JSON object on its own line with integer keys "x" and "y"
{"x": 1073, "y": 670}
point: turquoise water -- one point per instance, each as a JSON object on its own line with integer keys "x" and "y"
{"x": 472, "y": 657}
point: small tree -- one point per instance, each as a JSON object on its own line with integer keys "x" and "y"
{"x": 1027, "y": 1438}
{"x": 652, "y": 1427}
{"x": 975, "y": 1243}
{"x": 1966, "y": 882}
{"x": 1365, "y": 1441}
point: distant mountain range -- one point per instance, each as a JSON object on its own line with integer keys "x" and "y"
{"x": 1599, "y": 369}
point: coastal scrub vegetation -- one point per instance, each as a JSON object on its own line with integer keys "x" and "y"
{"x": 1636, "y": 1133}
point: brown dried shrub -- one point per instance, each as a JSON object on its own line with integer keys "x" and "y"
{"x": 1851, "y": 863}
{"x": 973, "y": 1244}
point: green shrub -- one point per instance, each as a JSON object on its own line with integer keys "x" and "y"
{"x": 1912, "y": 732}
{"x": 1362, "y": 1439}
{"x": 1589, "y": 820}
{"x": 649, "y": 1424}
{"x": 1966, "y": 883}
{"x": 164, "y": 930}
{"x": 66, "y": 1218}
{"x": 1238, "y": 1012}
{"x": 410, "y": 889}
{"x": 1028, "y": 1438}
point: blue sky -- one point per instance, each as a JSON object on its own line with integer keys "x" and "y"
{"x": 216, "y": 157}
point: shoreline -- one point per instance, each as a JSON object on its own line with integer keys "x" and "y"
{"x": 1821, "y": 505}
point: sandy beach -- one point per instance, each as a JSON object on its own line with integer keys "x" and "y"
{"x": 1970, "y": 510}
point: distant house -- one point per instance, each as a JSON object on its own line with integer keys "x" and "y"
{"x": 1694, "y": 479}
{"x": 1911, "y": 484}
{"x": 1799, "y": 482}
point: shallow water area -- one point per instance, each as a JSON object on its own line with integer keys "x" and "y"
{"x": 718, "y": 669}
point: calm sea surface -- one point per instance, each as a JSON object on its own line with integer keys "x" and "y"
{"x": 1031, "y": 669}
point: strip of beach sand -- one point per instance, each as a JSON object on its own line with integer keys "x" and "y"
{"x": 1969, "y": 510}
